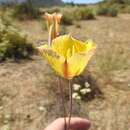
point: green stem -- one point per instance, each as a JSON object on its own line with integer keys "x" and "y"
{"x": 63, "y": 102}
{"x": 70, "y": 96}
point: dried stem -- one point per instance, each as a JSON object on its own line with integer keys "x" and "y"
{"x": 63, "y": 102}
{"x": 70, "y": 111}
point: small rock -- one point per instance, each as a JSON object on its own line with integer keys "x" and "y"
{"x": 41, "y": 108}
{"x": 1, "y": 107}
{"x": 7, "y": 116}
{"x": 6, "y": 121}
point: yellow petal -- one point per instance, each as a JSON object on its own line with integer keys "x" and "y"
{"x": 75, "y": 59}
{"x": 55, "y": 61}
{"x": 64, "y": 43}
{"x": 78, "y": 62}
{"x": 90, "y": 45}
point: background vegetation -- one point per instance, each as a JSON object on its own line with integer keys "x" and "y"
{"x": 13, "y": 43}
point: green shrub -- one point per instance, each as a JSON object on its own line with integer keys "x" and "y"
{"x": 25, "y": 11}
{"x": 68, "y": 18}
{"x": 107, "y": 11}
{"x": 86, "y": 13}
{"x": 102, "y": 11}
{"x": 78, "y": 14}
{"x": 63, "y": 30}
{"x": 122, "y": 8}
{"x": 83, "y": 13}
{"x": 112, "y": 12}
{"x": 51, "y": 10}
{"x": 120, "y": 5}
{"x": 126, "y": 9}
{"x": 118, "y": 1}
{"x": 13, "y": 43}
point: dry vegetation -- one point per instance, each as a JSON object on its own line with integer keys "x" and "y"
{"x": 27, "y": 98}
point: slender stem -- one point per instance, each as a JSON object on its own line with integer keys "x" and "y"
{"x": 70, "y": 96}
{"x": 50, "y": 35}
{"x": 63, "y": 102}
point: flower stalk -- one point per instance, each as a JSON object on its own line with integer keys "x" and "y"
{"x": 71, "y": 103}
{"x": 63, "y": 102}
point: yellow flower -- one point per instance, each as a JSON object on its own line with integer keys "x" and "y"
{"x": 53, "y": 24}
{"x": 52, "y": 18}
{"x": 68, "y": 56}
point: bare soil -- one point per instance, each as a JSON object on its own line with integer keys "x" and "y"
{"x": 29, "y": 97}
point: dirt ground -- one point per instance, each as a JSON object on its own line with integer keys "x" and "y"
{"x": 28, "y": 92}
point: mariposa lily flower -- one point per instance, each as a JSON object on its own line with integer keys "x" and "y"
{"x": 53, "y": 25}
{"x": 54, "y": 18}
{"x": 68, "y": 56}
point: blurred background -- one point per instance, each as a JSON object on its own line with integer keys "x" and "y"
{"x": 29, "y": 94}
